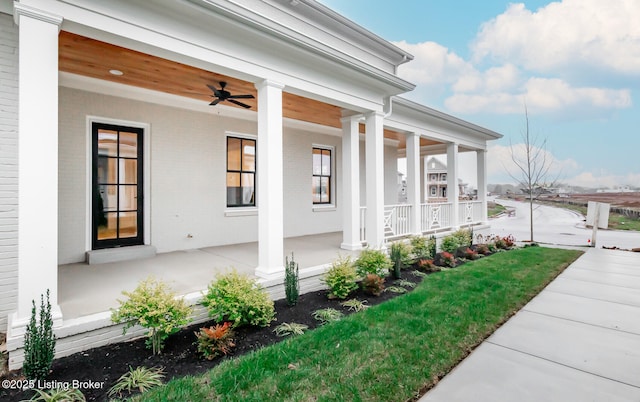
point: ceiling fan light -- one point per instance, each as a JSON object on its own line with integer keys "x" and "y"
{"x": 115, "y": 72}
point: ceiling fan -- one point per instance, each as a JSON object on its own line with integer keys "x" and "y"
{"x": 224, "y": 95}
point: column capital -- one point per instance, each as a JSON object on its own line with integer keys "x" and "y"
{"x": 374, "y": 113}
{"x": 269, "y": 83}
{"x": 22, "y": 10}
{"x": 353, "y": 117}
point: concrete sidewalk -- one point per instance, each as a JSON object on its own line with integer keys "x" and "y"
{"x": 578, "y": 340}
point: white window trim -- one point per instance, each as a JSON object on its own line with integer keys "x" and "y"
{"x": 239, "y": 211}
{"x": 146, "y": 174}
{"x": 331, "y": 206}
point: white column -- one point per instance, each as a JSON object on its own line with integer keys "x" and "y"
{"x": 453, "y": 192}
{"x": 38, "y": 163}
{"x": 481, "y": 160}
{"x": 351, "y": 183}
{"x": 413, "y": 181}
{"x": 375, "y": 179}
{"x": 270, "y": 181}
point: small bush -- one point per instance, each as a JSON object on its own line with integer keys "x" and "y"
{"x": 373, "y": 262}
{"x": 291, "y": 281}
{"x": 141, "y": 379}
{"x": 293, "y": 328}
{"x": 482, "y": 249}
{"x": 405, "y": 283}
{"x": 395, "y": 289}
{"x": 239, "y": 299}
{"x": 39, "y": 342}
{"x": 215, "y": 341}
{"x": 151, "y": 305}
{"x": 58, "y": 394}
{"x": 326, "y": 315}
{"x": 419, "y": 273}
{"x": 447, "y": 259}
{"x": 419, "y": 247}
{"x": 341, "y": 278}
{"x": 427, "y": 266}
{"x": 373, "y": 284}
{"x": 355, "y": 305}
{"x": 400, "y": 257}
{"x": 449, "y": 244}
{"x": 459, "y": 238}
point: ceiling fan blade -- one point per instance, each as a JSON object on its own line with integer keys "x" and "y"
{"x": 215, "y": 102}
{"x": 241, "y": 97}
{"x": 244, "y": 105}
{"x": 211, "y": 87}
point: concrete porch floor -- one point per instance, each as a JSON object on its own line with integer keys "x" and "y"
{"x": 85, "y": 289}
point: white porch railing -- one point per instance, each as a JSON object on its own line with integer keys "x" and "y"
{"x": 469, "y": 212}
{"x": 435, "y": 216}
{"x": 397, "y": 220}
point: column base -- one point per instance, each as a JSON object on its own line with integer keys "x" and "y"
{"x": 351, "y": 246}
{"x": 17, "y": 327}
{"x": 270, "y": 273}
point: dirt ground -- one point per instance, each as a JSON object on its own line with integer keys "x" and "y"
{"x": 625, "y": 200}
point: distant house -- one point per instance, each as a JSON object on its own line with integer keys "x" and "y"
{"x": 436, "y": 182}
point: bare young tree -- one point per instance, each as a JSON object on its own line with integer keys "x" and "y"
{"x": 533, "y": 166}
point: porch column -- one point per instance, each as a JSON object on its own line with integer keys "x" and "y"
{"x": 38, "y": 163}
{"x": 453, "y": 192}
{"x": 351, "y": 183}
{"x": 375, "y": 179}
{"x": 413, "y": 181}
{"x": 270, "y": 181}
{"x": 481, "y": 158}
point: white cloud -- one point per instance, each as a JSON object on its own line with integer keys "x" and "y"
{"x": 588, "y": 179}
{"x": 542, "y": 95}
{"x": 565, "y": 35}
{"x": 502, "y": 169}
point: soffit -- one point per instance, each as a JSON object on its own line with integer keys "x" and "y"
{"x": 92, "y": 58}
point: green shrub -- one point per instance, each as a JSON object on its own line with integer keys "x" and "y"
{"x": 293, "y": 328}
{"x": 422, "y": 247}
{"x": 58, "y": 395}
{"x": 326, "y": 315}
{"x": 374, "y": 262}
{"x": 215, "y": 340}
{"x": 395, "y": 289}
{"x": 291, "y": 281}
{"x": 355, "y": 305}
{"x": 239, "y": 299}
{"x": 400, "y": 257}
{"x": 457, "y": 239}
{"x": 341, "y": 278}
{"x": 39, "y": 342}
{"x": 153, "y": 306}
{"x": 141, "y": 379}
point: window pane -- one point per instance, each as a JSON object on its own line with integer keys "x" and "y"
{"x": 233, "y": 189}
{"x": 233, "y": 153}
{"x": 128, "y": 145}
{"x": 128, "y": 224}
{"x": 326, "y": 162}
{"x": 128, "y": 198}
{"x": 248, "y": 189}
{"x": 128, "y": 171}
{"x": 324, "y": 189}
{"x": 106, "y": 170}
{"x": 248, "y": 156}
{"x": 317, "y": 161}
{"x": 107, "y": 143}
{"x": 108, "y": 195}
{"x": 108, "y": 228}
{"x": 315, "y": 189}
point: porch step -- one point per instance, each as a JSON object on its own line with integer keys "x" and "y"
{"x": 120, "y": 254}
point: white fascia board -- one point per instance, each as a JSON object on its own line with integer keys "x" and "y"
{"x": 408, "y": 107}
{"x": 299, "y": 39}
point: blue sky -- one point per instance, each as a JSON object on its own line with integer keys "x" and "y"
{"x": 576, "y": 64}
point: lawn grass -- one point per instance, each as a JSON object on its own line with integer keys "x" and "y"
{"x": 494, "y": 209}
{"x": 388, "y": 352}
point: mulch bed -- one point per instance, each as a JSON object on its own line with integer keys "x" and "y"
{"x": 179, "y": 357}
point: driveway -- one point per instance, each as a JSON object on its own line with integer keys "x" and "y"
{"x": 557, "y": 226}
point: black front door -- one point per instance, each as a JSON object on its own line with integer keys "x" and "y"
{"x": 117, "y": 186}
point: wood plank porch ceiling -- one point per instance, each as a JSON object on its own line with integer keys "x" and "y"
{"x": 92, "y": 58}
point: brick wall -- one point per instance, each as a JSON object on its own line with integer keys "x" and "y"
{"x": 8, "y": 168}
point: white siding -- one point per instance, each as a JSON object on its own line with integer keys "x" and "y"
{"x": 8, "y": 168}
{"x": 188, "y": 172}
